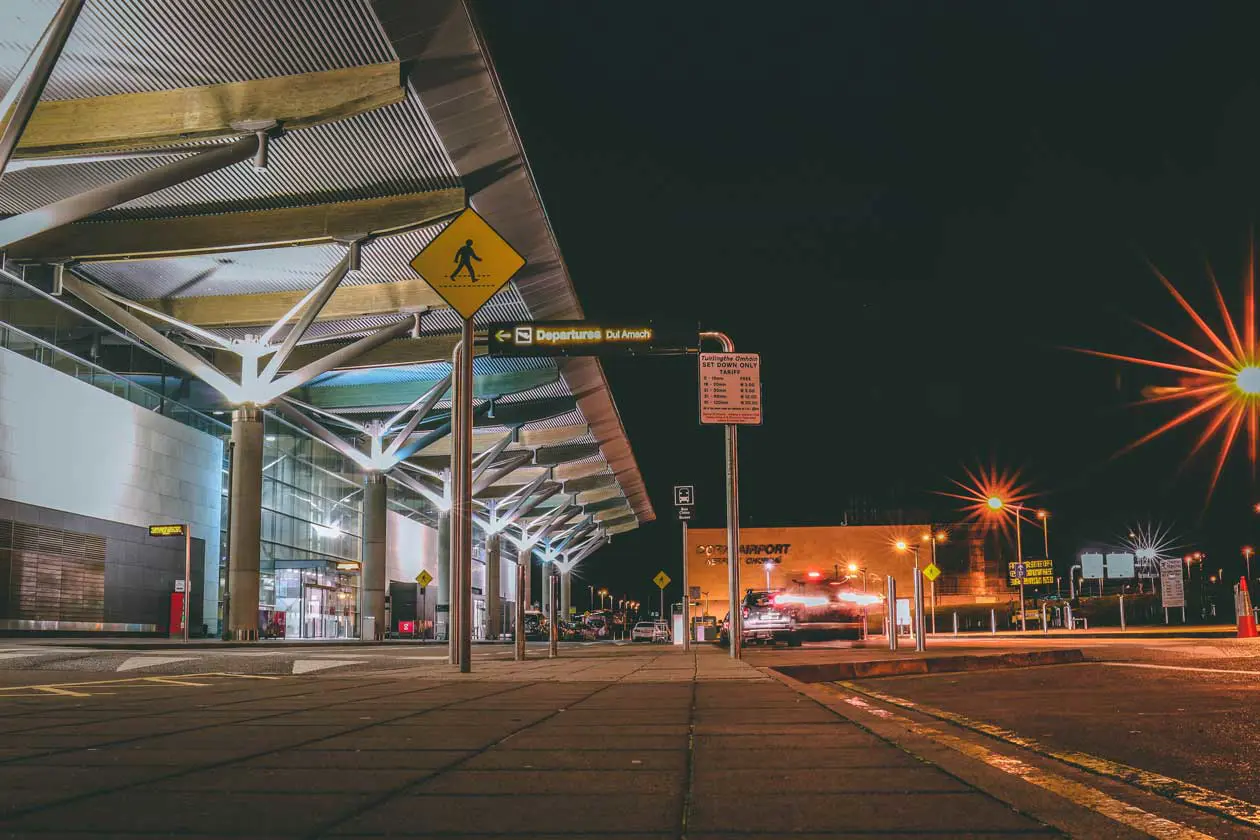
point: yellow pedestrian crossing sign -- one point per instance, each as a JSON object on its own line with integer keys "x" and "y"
{"x": 932, "y": 572}
{"x": 661, "y": 580}
{"x": 467, "y": 263}
{"x": 424, "y": 578}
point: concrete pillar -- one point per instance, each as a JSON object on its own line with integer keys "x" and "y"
{"x": 442, "y": 611}
{"x": 494, "y": 598}
{"x": 565, "y": 580}
{"x": 373, "y": 580}
{"x": 525, "y": 557}
{"x": 245, "y": 536}
{"x": 544, "y": 569}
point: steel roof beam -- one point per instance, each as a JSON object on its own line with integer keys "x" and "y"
{"x": 28, "y": 87}
{"x": 189, "y": 361}
{"x": 130, "y": 121}
{"x": 244, "y": 231}
{"x": 499, "y": 471}
{"x": 309, "y": 308}
{"x": 424, "y": 349}
{"x": 28, "y": 226}
{"x": 249, "y": 310}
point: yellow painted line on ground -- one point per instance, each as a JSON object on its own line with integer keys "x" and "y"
{"x": 1075, "y": 792}
{"x": 1187, "y": 793}
{"x": 1177, "y": 668}
{"x": 87, "y": 687}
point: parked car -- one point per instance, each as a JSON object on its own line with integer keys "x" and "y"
{"x": 815, "y": 611}
{"x": 598, "y": 626}
{"x": 567, "y": 631}
{"x": 536, "y": 627}
{"x": 643, "y": 631}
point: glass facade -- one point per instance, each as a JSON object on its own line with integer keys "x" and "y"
{"x": 312, "y": 495}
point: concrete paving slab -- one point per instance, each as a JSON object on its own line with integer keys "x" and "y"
{"x": 943, "y": 814}
{"x": 541, "y": 781}
{"x": 427, "y": 815}
{"x": 352, "y": 761}
{"x": 637, "y": 760}
{"x": 170, "y": 812}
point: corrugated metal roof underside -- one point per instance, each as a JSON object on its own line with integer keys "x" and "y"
{"x": 130, "y": 46}
{"x": 389, "y": 151}
{"x": 133, "y": 46}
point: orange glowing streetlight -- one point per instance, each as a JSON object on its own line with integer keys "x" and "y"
{"x": 1247, "y": 552}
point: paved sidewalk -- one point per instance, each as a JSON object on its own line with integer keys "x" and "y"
{"x": 640, "y": 743}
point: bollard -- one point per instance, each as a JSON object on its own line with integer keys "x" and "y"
{"x": 554, "y": 649}
{"x": 1067, "y": 615}
{"x": 1121, "y": 612}
{"x": 920, "y": 621}
{"x": 955, "y": 624}
{"x": 993, "y": 621}
{"x": 1045, "y": 624}
{"x": 521, "y": 597}
{"x": 892, "y": 613}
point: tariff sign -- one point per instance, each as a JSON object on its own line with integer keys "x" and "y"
{"x": 730, "y": 388}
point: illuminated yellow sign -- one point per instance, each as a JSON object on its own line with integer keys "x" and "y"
{"x": 582, "y": 338}
{"x": 467, "y": 263}
{"x": 166, "y": 530}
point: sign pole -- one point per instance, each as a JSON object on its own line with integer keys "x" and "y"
{"x": 187, "y": 573}
{"x": 686, "y": 593}
{"x": 1019, "y": 558}
{"x": 464, "y": 502}
{"x": 732, "y": 514}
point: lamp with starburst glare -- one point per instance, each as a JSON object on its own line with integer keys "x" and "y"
{"x": 1221, "y": 383}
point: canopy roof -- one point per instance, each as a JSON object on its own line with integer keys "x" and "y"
{"x": 421, "y": 129}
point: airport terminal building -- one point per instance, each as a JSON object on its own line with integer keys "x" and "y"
{"x": 218, "y": 326}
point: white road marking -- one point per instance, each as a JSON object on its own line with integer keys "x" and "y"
{"x": 1080, "y": 794}
{"x": 134, "y": 662}
{"x": 1177, "y": 668}
{"x": 306, "y": 666}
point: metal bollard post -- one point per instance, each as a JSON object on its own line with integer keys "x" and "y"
{"x": 920, "y": 620}
{"x": 892, "y": 613}
{"x": 1067, "y": 616}
{"x": 554, "y": 650}
{"x": 521, "y": 597}
{"x": 955, "y": 624}
{"x": 1122, "y": 613}
{"x": 993, "y": 621}
{"x": 1045, "y": 624}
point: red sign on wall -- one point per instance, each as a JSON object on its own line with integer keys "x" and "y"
{"x": 407, "y": 628}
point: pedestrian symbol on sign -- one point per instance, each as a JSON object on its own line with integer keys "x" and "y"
{"x": 463, "y": 256}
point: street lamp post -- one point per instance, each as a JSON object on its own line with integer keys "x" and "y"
{"x": 768, "y": 566}
{"x": 935, "y": 536}
{"x": 997, "y": 504}
{"x": 920, "y": 643}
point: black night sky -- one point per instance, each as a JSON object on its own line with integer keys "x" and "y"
{"x": 910, "y": 210}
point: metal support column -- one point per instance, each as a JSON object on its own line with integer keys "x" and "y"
{"x": 892, "y": 613}
{"x": 245, "y": 536}
{"x": 463, "y": 499}
{"x": 525, "y": 559}
{"x": 46, "y": 53}
{"x": 553, "y": 587}
{"x": 494, "y": 593}
{"x": 374, "y": 572}
{"x": 566, "y": 581}
{"x": 522, "y": 590}
{"x": 442, "y": 607}
{"x": 920, "y": 620}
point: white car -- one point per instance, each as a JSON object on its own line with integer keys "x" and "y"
{"x": 644, "y": 631}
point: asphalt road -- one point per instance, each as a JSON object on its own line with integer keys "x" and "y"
{"x": 1197, "y": 725}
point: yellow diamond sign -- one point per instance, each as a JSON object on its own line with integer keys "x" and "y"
{"x": 424, "y": 578}
{"x": 932, "y": 571}
{"x": 467, "y": 263}
{"x": 661, "y": 580}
